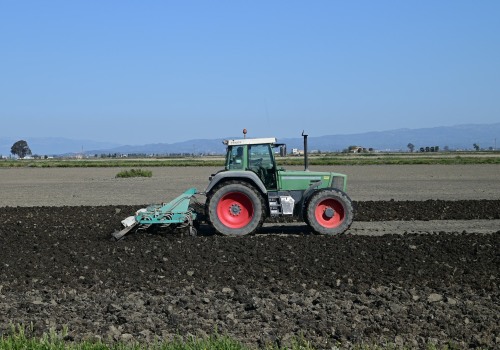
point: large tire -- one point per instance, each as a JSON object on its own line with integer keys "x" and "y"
{"x": 235, "y": 208}
{"x": 329, "y": 212}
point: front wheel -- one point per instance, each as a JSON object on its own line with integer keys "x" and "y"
{"x": 329, "y": 212}
{"x": 235, "y": 209}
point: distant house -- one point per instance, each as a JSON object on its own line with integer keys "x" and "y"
{"x": 359, "y": 149}
{"x": 297, "y": 152}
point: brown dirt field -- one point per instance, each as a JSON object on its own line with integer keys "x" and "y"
{"x": 379, "y": 283}
{"x": 98, "y": 186}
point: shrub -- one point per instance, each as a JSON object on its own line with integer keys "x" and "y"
{"x": 135, "y": 173}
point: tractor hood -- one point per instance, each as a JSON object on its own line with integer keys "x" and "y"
{"x": 298, "y": 180}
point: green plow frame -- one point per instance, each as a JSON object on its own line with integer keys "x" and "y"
{"x": 176, "y": 211}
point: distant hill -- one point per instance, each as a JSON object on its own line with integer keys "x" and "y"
{"x": 205, "y": 146}
{"x": 455, "y": 137}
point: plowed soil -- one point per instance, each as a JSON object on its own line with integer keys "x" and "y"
{"x": 375, "y": 284}
{"x": 59, "y": 268}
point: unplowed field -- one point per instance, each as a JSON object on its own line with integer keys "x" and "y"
{"x": 59, "y": 268}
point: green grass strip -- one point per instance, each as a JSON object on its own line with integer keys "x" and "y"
{"x": 462, "y": 158}
{"x": 18, "y": 339}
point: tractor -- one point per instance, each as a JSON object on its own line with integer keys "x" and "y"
{"x": 252, "y": 188}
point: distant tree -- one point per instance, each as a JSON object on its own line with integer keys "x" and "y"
{"x": 411, "y": 147}
{"x": 476, "y": 146}
{"x": 21, "y": 149}
{"x": 446, "y": 148}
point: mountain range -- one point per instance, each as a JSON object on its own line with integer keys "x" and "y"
{"x": 453, "y": 137}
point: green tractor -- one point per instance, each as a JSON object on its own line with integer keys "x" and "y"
{"x": 251, "y": 188}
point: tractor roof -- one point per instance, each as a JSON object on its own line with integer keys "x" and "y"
{"x": 271, "y": 140}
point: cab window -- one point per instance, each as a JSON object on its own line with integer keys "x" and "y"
{"x": 260, "y": 161}
{"x": 236, "y": 158}
{"x": 260, "y": 156}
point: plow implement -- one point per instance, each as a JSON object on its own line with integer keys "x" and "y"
{"x": 176, "y": 212}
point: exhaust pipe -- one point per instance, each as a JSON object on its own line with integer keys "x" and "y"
{"x": 306, "y": 160}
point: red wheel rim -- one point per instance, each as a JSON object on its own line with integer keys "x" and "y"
{"x": 321, "y": 213}
{"x": 235, "y": 210}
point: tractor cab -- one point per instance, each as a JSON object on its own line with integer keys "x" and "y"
{"x": 256, "y": 155}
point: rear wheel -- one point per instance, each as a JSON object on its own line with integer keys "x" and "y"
{"x": 235, "y": 208}
{"x": 329, "y": 212}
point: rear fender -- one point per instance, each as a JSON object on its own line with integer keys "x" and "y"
{"x": 248, "y": 176}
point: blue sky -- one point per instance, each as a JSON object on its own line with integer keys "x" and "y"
{"x": 136, "y": 72}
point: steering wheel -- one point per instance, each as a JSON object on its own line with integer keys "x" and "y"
{"x": 256, "y": 162}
